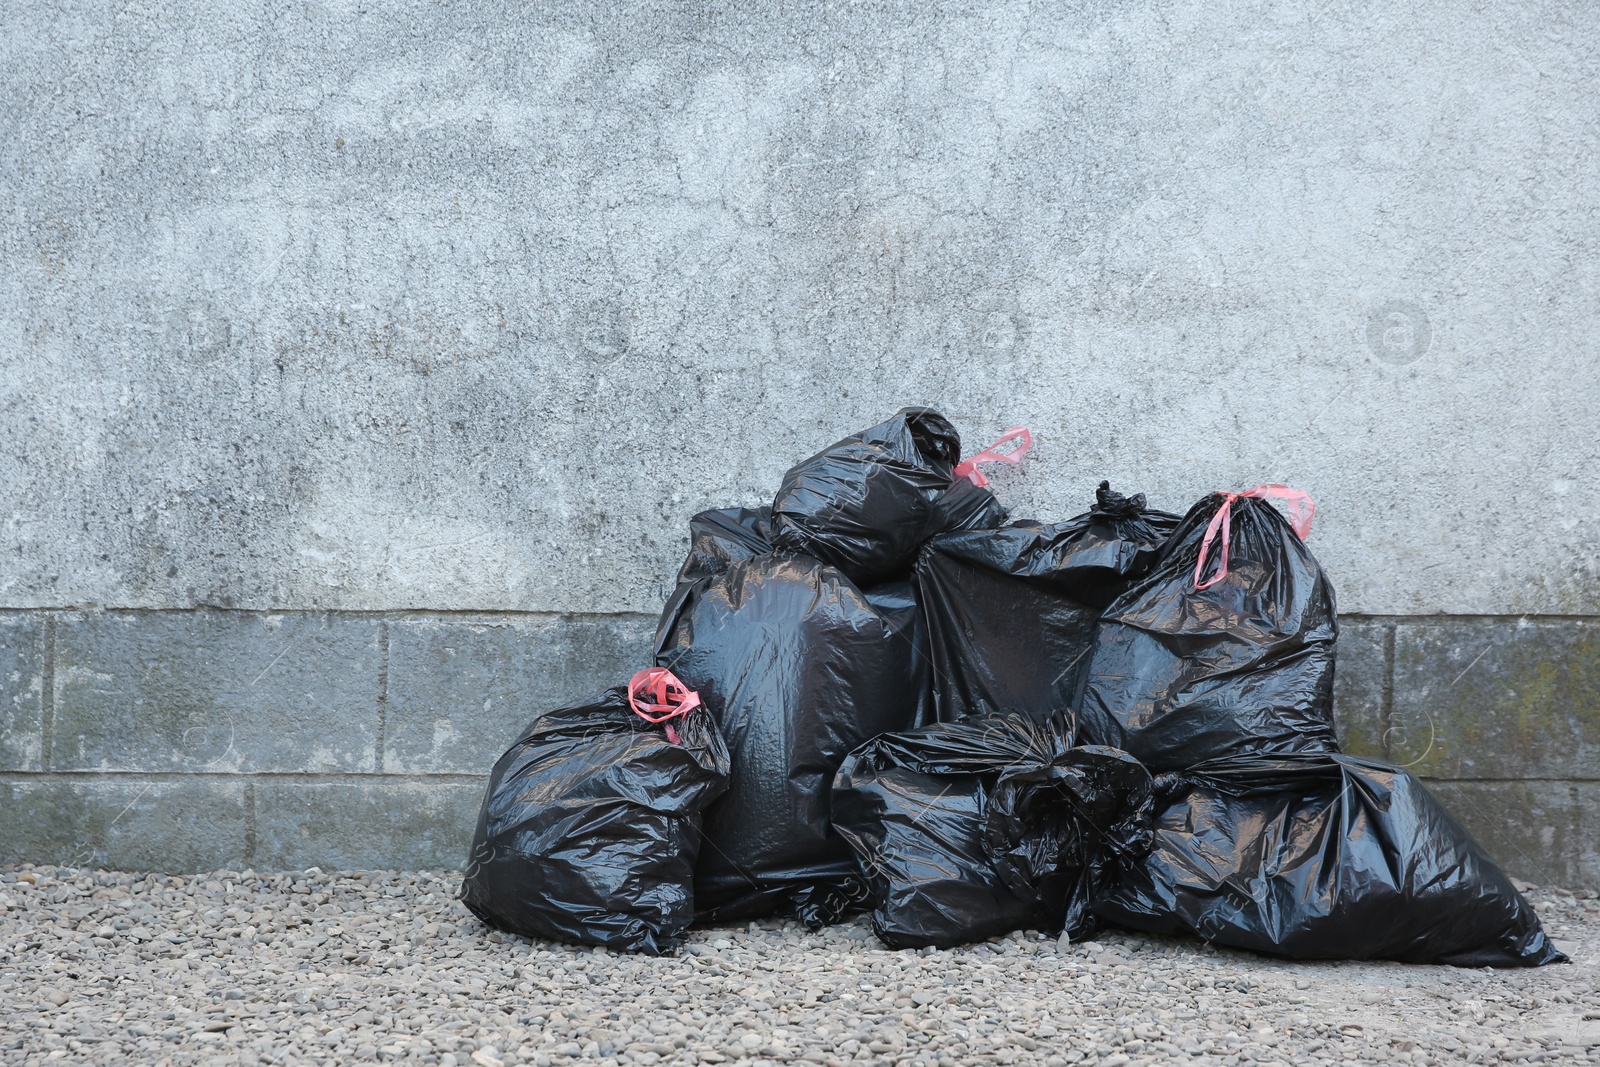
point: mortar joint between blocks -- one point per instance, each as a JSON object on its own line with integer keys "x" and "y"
{"x": 47, "y": 698}
{"x": 380, "y": 762}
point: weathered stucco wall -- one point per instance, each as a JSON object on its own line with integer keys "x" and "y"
{"x": 469, "y": 306}
{"x": 411, "y": 334}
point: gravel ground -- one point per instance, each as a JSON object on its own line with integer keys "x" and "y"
{"x": 100, "y": 967}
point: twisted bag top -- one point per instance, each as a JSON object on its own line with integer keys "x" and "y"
{"x": 1226, "y": 647}
{"x": 865, "y": 504}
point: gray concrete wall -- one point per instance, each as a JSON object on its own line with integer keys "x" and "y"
{"x": 349, "y": 318}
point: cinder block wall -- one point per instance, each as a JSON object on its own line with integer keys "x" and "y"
{"x": 201, "y": 739}
{"x": 194, "y": 740}
{"x": 360, "y": 366}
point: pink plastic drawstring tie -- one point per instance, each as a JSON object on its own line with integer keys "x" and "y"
{"x": 657, "y": 696}
{"x": 968, "y": 468}
{"x": 1299, "y": 506}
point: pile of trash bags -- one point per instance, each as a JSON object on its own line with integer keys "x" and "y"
{"x": 882, "y": 693}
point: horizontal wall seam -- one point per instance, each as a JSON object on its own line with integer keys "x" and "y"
{"x": 354, "y": 613}
{"x": 1507, "y": 781}
{"x": 125, "y": 774}
{"x": 467, "y": 614}
{"x": 308, "y": 777}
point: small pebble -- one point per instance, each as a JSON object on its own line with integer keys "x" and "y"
{"x": 312, "y": 967}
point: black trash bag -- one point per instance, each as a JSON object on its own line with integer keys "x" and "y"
{"x": 591, "y": 825}
{"x": 799, "y": 666}
{"x": 723, "y": 537}
{"x": 966, "y": 506}
{"x": 865, "y": 503}
{"x": 1225, "y": 648}
{"x": 718, "y": 539}
{"x": 972, "y": 829}
{"x": 1325, "y": 857}
{"x": 1011, "y": 613}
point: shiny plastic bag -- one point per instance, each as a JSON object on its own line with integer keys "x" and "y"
{"x": 1225, "y": 648}
{"x": 972, "y": 829}
{"x": 1325, "y": 857}
{"x": 1012, "y": 612}
{"x": 720, "y": 538}
{"x": 590, "y": 826}
{"x": 865, "y": 503}
{"x": 799, "y": 666}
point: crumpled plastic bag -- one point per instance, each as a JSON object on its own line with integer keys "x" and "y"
{"x": 1324, "y": 857}
{"x": 1012, "y": 612}
{"x": 799, "y": 665}
{"x": 972, "y": 829}
{"x": 1225, "y": 648}
{"x": 864, "y": 504}
{"x": 590, "y": 827}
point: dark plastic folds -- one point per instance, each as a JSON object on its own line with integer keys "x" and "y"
{"x": 972, "y": 829}
{"x": 591, "y": 825}
{"x": 1180, "y": 675}
{"x": 1329, "y": 857}
{"x": 864, "y": 504}
{"x": 719, "y": 539}
{"x": 799, "y": 666}
{"x": 1012, "y": 612}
